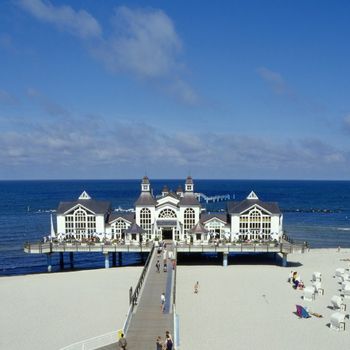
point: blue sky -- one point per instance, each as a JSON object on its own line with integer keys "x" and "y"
{"x": 229, "y": 89}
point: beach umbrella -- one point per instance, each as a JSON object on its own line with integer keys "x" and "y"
{"x": 52, "y": 234}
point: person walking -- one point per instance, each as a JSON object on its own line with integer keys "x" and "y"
{"x": 159, "y": 345}
{"x": 122, "y": 343}
{"x": 196, "y": 288}
{"x": 158, "y": 266}
{"x": 168, "y": 345}
{"x": 162, "y": 302}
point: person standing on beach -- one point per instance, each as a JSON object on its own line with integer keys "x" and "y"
{"x": 196, "y": 288}
{"x": 162, "y": 302}
{"x": 122, "y": 343}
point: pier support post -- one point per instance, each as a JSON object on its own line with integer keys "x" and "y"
{"x": 61, "y": 261}
{"x": 106, "y": 260}
{"x": 49, "y": 264}
{"x": 114, "y": 259}
{"x": 120, "y": 259}
{"x": 71, "y": 260}
{"x": 284, "y": 259}
{"x": 224, "y": 259}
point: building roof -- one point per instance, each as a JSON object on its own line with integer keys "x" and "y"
{"x": 189, "y": 199}
{"x": 179, "y": 189}
{"x": 239, "y": 207}
{"x": 220, "y": 216}
{"x": 146, "y": 199}
{"x": 135, "y": 228}
{"x": 198, "y": 228}
{"x": 97, "y": 207}
{"x": 127, "y": 216}
{"x": 189, "y": 180}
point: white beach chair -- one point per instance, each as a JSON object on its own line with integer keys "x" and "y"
{"x": 345, "y": 277}
{"x": 345, "y": 285}
{"x": 337, "y": 303}
{"x": 346, "y": 289}
{"x": 309, "y": 293}
{"x": 338, "y": 321}
{"x": 316, "y": 277}
{"x": 318, "y": 287}
{"x": 339, "y": 272}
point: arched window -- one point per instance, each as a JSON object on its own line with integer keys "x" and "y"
{"x": 255, "y": 221}
{"x": 167, "y": 213}
{"x": 214, "y": 226}
{"x": 118, "y": 228}
{"x": 189, "y": 219}
{"x": 145, "y": 221}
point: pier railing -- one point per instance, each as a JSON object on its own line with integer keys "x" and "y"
{"x": 228, "y": 247}
{"x": 56, "y": 247}
{"x": 135, "y": 295}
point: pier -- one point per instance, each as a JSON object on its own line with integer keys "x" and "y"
{"x": 213, "y": 199}
{"x": 285, "y": 247}
{"x": 147, "y": 320}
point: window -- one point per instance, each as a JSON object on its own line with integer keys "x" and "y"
{"x": 80, "y": 223}
{"x": 189, "y": 219}
{"x": 214, "y": 226}
{"x": 145, "y": 221}
{"x": 118, "y": 228}
{"x": 167, "y": 213}
{"x": 257, "y": 223}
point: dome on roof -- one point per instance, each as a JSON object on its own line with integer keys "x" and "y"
{"x": 189, "y": 180}
{"x": 145, "y": 180}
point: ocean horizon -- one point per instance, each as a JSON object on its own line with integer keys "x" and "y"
{"x": 316, "y": 211}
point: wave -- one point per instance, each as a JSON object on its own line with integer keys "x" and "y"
{"x": 312, "y": 210}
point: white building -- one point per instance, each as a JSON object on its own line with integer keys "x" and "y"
{"x": 174, "y": 216}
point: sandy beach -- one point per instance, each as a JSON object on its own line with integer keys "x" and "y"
{"x": 243, "y": 306}
{"x": 49, "y": 311}
{"x": 252, "y": 306}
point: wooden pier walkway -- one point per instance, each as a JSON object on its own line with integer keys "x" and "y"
{"x": 148, "y": 321}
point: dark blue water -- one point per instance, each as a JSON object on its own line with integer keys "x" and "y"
{"x": 315, "y": 211}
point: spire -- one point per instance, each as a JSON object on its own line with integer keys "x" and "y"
{"x": 165, "y": 191}
{"x": 179, "y": 191}
{"x": 52, "y": 234}
{"x": 145, "y": 184}
{"x": 252, "y": 195}
{"x": 189, "y": 184}
{"x": 84, "y": 195}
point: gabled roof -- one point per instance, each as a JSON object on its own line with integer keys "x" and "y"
{"x": 146, "y": 199}
{"x": 240, "y": 207}
{"x": 134, "y": 228}
{"x": 125, "y": 216}
{"x": 189, "y": 199}
{"x": 170, "y": 198}
{"x": 220, "y": 216}
{"x": 97, "y": 207}
{"x": 199, "y": 228}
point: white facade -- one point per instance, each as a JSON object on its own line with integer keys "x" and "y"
{"x": 171, "y": 216}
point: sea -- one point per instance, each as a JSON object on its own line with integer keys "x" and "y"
{"x": 314, "y": 211}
